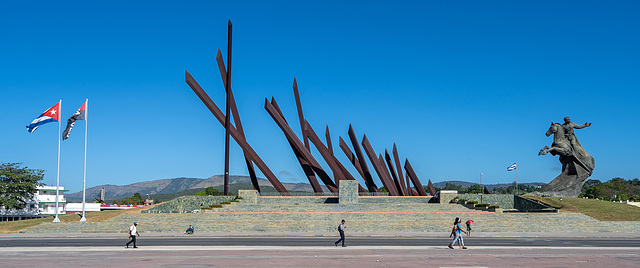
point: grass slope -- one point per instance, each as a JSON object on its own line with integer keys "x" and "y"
{"x": 98, "y": 216}
{"x": 598, "y": 209}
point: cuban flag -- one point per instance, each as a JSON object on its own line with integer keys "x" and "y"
{"x": 81, "y": 114}
{"x": 512, "y": 167}
{"x": 50, "y": 115}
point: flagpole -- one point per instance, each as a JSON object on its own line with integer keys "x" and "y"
{"x": 56, "y": 219}
{"x": 516, "y": 178}
{"x": 84, "y": 175}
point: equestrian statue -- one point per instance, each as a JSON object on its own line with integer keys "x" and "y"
{"x": 577, "y": 164}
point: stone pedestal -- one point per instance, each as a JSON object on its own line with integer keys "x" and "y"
{"x": 249, "y": 196}
{"x": 348, "y": 191}
{"x": 445, "y": 196}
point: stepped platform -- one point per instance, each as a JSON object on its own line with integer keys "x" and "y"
{"x": 316, "y": 215}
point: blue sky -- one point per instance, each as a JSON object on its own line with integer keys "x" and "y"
{"x": 462, "y": 87}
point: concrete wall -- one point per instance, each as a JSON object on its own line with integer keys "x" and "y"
{"x": 77, "y": 207}
{"x": 504, "y": 201}
{"x": 187, "y": 204}
{"x": 348, "y": 190}
{"x": 249, "y": 196}
{"x": 523, "y": 204}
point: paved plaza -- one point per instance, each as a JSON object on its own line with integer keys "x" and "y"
{"x": 355, "y": 256}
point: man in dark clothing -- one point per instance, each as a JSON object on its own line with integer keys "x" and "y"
{"x": 341, "y": 231}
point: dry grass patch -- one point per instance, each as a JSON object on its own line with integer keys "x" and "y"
{"x": 98, "y": 216}
{"x": 598, "y": 209}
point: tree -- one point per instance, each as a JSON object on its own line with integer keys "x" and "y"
{"x": 211, "y": 191}
{"x": 18, "y": 184}
{"x": 474, "y": 189}
{"x": 136, "y": 199}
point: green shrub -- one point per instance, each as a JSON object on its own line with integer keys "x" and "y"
{"x": 482, "y": 205}
{"x": 200, "y": 194}
{"x": 472, "y": 202}
{"x": 216, "y": 206}
{"x": 494, "y": 206}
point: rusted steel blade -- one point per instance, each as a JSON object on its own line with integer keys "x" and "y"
{"x": 306, "y": 167}
{"x": 227, "y": 114}
{"x": 386, "y": 173}
{"x": 376, "y": 165}
{"x": 327, "y": 136}
{"x": 414, "y": 178}
{"x": 217, "y": 113}
{"x": 288, "y": 132}
{"x": 432, "y": 190}
{"x": 352, "y": 157}
{"x": 407, "y": 186}
{"x": 236, "y": 119}
{"x": 398, "y": 182}
{"x": 486, "y": 190}
{"x": 329, "y": 158}
{"x": 300, "y": 115}
{"x": 368, "y": 179}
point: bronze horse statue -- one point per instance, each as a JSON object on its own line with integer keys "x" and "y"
{"x": 577, "y": 164}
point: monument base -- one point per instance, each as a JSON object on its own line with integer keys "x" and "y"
{"x": 569, "y": 183}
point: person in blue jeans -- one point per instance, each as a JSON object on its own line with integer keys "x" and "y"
{"x": 341, "y": 231}
{"x": 456, "y": 232}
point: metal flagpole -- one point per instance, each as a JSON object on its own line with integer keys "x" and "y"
{"x": 481, "y": 188}
{"x": 56, "y": 219}
{"x": 516, "y": 178}
{"x": 84, "y": 175}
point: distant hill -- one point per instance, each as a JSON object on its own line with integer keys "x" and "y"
{"x": 171, "y": 186}
{"x": 466, "y": 184}
{"x": 163, "y": 189}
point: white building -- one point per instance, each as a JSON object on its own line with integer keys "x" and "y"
{"x": 46, "y": 197}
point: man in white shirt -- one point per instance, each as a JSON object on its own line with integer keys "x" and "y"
{"x": 341, "y": 231}
{"x": 133, "y": 233}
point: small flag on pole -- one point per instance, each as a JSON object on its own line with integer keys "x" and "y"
{"x": 50, "y": 115}
{"x": 512, "y": 167}
{"x": 79, "y": 115}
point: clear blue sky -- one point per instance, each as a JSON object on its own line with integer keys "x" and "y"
{"x": 462, "y": 87}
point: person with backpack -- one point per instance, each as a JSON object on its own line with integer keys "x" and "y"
{"x": 341, "y": 231}
{"x": 456, "y": 232}
{"x": 133, "y": 233}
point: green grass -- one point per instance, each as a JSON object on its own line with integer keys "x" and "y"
{"x": 598, "y": 209}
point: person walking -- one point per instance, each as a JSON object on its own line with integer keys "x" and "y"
{"x": 469, "y": 222}
{"x": 133, "y": 233}
{"x": 341, "y": 231}
{"x": 456, "y": 232}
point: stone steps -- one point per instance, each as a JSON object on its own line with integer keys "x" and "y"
{"x": 356, "y": 222}
{"x": 343, "y": 208}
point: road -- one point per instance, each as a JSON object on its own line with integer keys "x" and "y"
{"x": 322, "y": 241}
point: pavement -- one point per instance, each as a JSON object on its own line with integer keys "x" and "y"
{"x": 257, "y": 249}
{"x": 331, "y": 234}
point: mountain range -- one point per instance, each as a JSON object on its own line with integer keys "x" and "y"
{"x": 170, "y": 186}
